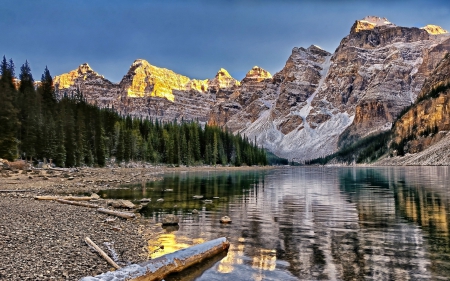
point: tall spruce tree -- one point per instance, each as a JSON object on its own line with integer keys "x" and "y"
{"x": 8, "y": 113}
{"x": 28, "y": 112}
{"x": 47, "y": 92}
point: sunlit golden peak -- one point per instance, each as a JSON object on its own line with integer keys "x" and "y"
{"x": 83, "y": 68}
{"x": 378, "y": 21}
{"x": 434, "y": 29}
{"x": 369, "y": 23}
{"x": 66, "y": 80}
{"x": 144, "y": 79}
{"x": 222, "y": 80}
{"x": 140, "y": 62}
{"x": 258, "y": 74}
{"x": 223, "y": 72}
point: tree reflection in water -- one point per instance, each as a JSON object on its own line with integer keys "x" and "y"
{"x": 310, "y": 223}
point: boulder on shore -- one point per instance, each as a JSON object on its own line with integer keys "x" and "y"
{"x": 121, "y": 204}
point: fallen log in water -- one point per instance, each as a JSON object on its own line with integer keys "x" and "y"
{"x": 160, "y": 267}
{"x": 71, "y": 198}
{"x": 100, "y": 251}
{"x": 124, "y": 215}
{"x": 78, "y": 203}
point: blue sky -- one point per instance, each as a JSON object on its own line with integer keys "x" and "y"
{"x": 193, "y": 38}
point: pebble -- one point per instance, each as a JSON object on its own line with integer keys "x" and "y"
{"x": 44, "y": 240}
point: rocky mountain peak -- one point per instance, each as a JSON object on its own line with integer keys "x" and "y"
{"x": 140, "y": 62}
{"x": 369, "y": 23}
{"x": 316, "y": 50}
{"x": 257, "y": 74}
{"x": 222, "y": 80}
{"x": 378, "y": 21}
{"x": 84, "y": 68}
{"x": 144, "y": 79}
{"x": 222, "y": 73}
{"x": 67, "y": 80}
{"x": 434, "y": 29}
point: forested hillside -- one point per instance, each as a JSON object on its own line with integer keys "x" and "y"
{"x": 35, "y": 125}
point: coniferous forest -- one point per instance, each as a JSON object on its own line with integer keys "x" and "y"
{"x": 34, "y": 125}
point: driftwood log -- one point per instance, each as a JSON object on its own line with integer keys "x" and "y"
{"x": 76, "y": 203}
{"x": 100, "y": 251}
{"x": 159, "y": 268}
{"x": 12, "y": 190}
{"x": 71, "y": 198}
{"x": 124, "y": 215}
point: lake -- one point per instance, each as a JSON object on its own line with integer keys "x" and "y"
{"x": 307, "y": 223}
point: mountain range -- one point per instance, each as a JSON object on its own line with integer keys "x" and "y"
{"x": 319, "y": 102}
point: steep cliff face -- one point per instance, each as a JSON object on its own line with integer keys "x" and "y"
{"x": 274, "y": 111}
{"x": 252, "y": 88}
{"x": 146, "y": 80}
{"x": 428, "y": 120}
{"x": 376, "y": 73}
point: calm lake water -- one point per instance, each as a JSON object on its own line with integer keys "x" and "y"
{"x": 308, "y": 223}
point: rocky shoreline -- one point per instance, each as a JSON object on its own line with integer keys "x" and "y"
{"x": 44, "y": 239}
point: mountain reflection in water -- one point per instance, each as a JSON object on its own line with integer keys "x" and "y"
{"x": 308, "y": 223}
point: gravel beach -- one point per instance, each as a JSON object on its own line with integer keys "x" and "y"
{"x": 44, "y": 240}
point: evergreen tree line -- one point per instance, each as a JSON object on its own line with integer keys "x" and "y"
{"x": 365, "y": 150}
{"x": 35, "y": 125}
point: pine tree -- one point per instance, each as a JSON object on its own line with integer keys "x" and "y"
{"x": 8, "y": 113}
{"x": 100, "y": 143}
{"x": 80, "y": 138}
{"x": 28, "y": 112}
{"x": 70, "y": 143}
{"x": 47, "y": 92}
{"x": 120, "y": 150}
{"x": 60, "y": 152}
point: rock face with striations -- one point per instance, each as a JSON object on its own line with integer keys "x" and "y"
{"x": 317, "y": 103}
{"x": 95, "y": 87}
{"x": 149, "y": 91}
{"x": 427, "y": 121}
{"x": 376, "y": 73}
{"x": 252, "y": 87}
{"x": 322, "y": 101}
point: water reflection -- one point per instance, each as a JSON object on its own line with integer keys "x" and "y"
{"x": 310, "y": 223}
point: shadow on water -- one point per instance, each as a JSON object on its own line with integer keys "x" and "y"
{"x": 308, "y": 223}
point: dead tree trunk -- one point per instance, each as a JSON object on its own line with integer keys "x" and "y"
{"x": 78, "y": 203}
{"x": 71, "y": 198}
{"x": 160, "y": 267}
{"x": 124, "y": 215}
{"x": 103, "y": 254}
